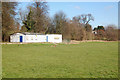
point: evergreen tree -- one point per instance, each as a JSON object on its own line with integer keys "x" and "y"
{"x": 29, "y": 23}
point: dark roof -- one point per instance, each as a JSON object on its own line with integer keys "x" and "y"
{"x": 28, "y": 33}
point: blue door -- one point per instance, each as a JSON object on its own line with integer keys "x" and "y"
{"x": 21, "y": 39}
{"x": 46, "y": 38}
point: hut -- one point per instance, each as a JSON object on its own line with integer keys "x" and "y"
{"x": 35, "y": 37}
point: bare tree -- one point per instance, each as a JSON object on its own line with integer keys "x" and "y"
{"x": 111, "y": 33}
{"x": 0, "y": 21}
{"x": 59, "y": 21}
{"x": 8, "y": 12}
{"x": 84, "y": 18}
{"x": 40, "y": 16}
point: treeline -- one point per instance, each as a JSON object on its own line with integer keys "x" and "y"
{"x": 110, "y": 33}
{"x": 38, "y": 21}
{"x": 8, "y": 20}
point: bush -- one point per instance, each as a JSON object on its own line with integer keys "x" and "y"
{"x": 111, "y": 33}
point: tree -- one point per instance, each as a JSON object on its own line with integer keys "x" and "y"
{"x": 111, "y": 33}
{"x": 51, "y": 29}
{"x": 29, "y": 23}
{"x": 0, "y": 22}
{"x": 59, "y": 22}
{"x": 83, "y": 20}
{"x": 77, "y": 32}
{"x": 37, "y": 19}
{"x": 100, "y": 28}
{"x": 74, "y": 31}
{"x": 40, "y": 16}
{"x": 17, "y": 28}
{"x": 119, "y": 34}
{"x": 100, "y": 32}
{"x": 88, "y": 29}
{"x": 8, "y": 13}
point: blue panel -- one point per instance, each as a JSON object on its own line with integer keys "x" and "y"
{"x": 46, "y": 38}
{"x": 21, "y": 39}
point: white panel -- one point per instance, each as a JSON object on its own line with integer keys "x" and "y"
{"x": 35, "y": 38}
{"x": 16, "y": 37}
{"x": 55, "y": 38}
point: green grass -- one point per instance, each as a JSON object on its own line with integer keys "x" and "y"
{"x": 84, "y": 60}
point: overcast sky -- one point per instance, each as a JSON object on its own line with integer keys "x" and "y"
{"x": 105, "y": 13}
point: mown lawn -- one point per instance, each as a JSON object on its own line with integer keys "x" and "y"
{"x": 84, "y": 60}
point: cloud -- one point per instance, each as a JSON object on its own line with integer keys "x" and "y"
{"x": 69, "y": 5}
{"x": 109, "y": 7}
{"x": 77, "y": 7}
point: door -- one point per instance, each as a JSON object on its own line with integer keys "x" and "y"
{"x": 46, "y": 38}
{"x": 21, "y": 38}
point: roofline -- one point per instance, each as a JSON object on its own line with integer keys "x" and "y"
{"x": 27, "y": 33}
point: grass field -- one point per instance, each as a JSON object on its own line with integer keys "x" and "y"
{"x": 84, "y": 60}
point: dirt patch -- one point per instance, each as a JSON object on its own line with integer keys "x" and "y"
{"x": 77, "y": 42}
{"x": 70, "y": 42}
